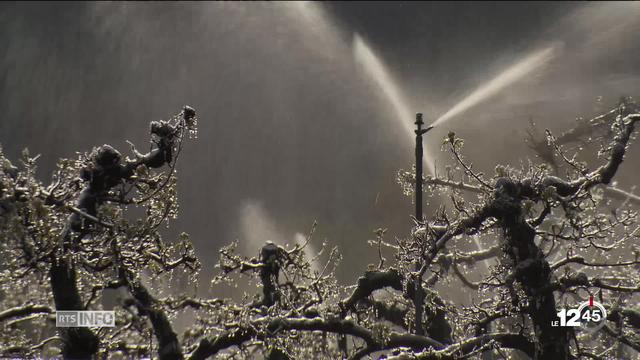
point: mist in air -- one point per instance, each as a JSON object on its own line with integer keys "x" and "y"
{"x": 306, "y": 109}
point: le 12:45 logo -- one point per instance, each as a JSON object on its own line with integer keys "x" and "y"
{"x": 589, "y": 316}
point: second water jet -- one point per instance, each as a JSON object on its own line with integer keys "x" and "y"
{"x": 526, "y": 66}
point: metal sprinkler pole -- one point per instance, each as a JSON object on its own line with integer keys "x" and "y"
{"x": 419, "y": 294}
{"x": 419, "y": 162}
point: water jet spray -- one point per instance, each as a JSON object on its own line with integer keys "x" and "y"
{"x": 534, "y": 61}
{"x": 378, "y": 72}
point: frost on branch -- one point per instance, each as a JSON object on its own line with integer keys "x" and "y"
{"x": 520, "y": 244}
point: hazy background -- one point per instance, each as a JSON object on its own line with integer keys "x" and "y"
{"x": 293, "y": 125}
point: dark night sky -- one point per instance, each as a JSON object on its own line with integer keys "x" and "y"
{"x": 291, "y": 128}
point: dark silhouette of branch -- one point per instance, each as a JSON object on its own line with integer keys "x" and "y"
{"x": 19, "y": 349}
{"x": 632, "y": 316}
{"x": 622, "y": 338}
{"x": 78, "y": 343}
{"x": 464, "y": 348}
{"x": 452, "y": 184}
{"x": 169, "y": 347}
{"x": 26, "y": 310}
{"x": 106, "y": 171}
{"x": 583, "y": 280}
{"x": 393, "y": 313}
{"x": 237, "y": 336}
{"x": 587, "y": 128}
{"x": 372, "y": 281}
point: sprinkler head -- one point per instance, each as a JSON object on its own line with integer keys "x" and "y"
{"x": 419, "y": 122}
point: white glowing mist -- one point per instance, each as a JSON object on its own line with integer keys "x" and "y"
{"x": 309, "y": 251}
{"x": 374, "y": 67}
{"x": 519, "y": 70}
{"x": 257, "y": 227}
{"x": 323, "y": 35}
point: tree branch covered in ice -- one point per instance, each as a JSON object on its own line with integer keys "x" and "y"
{"x": 520, "y": 244}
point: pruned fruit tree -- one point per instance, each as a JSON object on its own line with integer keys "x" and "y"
{"x": 486, "y": 276}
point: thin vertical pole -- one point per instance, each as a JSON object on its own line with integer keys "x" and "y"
{"x": 418, "y": 186}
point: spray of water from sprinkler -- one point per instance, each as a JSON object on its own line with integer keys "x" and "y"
{"x": 378, "y": 72}
{"x": 510, "y": 75}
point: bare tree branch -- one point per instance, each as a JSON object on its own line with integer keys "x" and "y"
{"x": 24, "y": 311}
